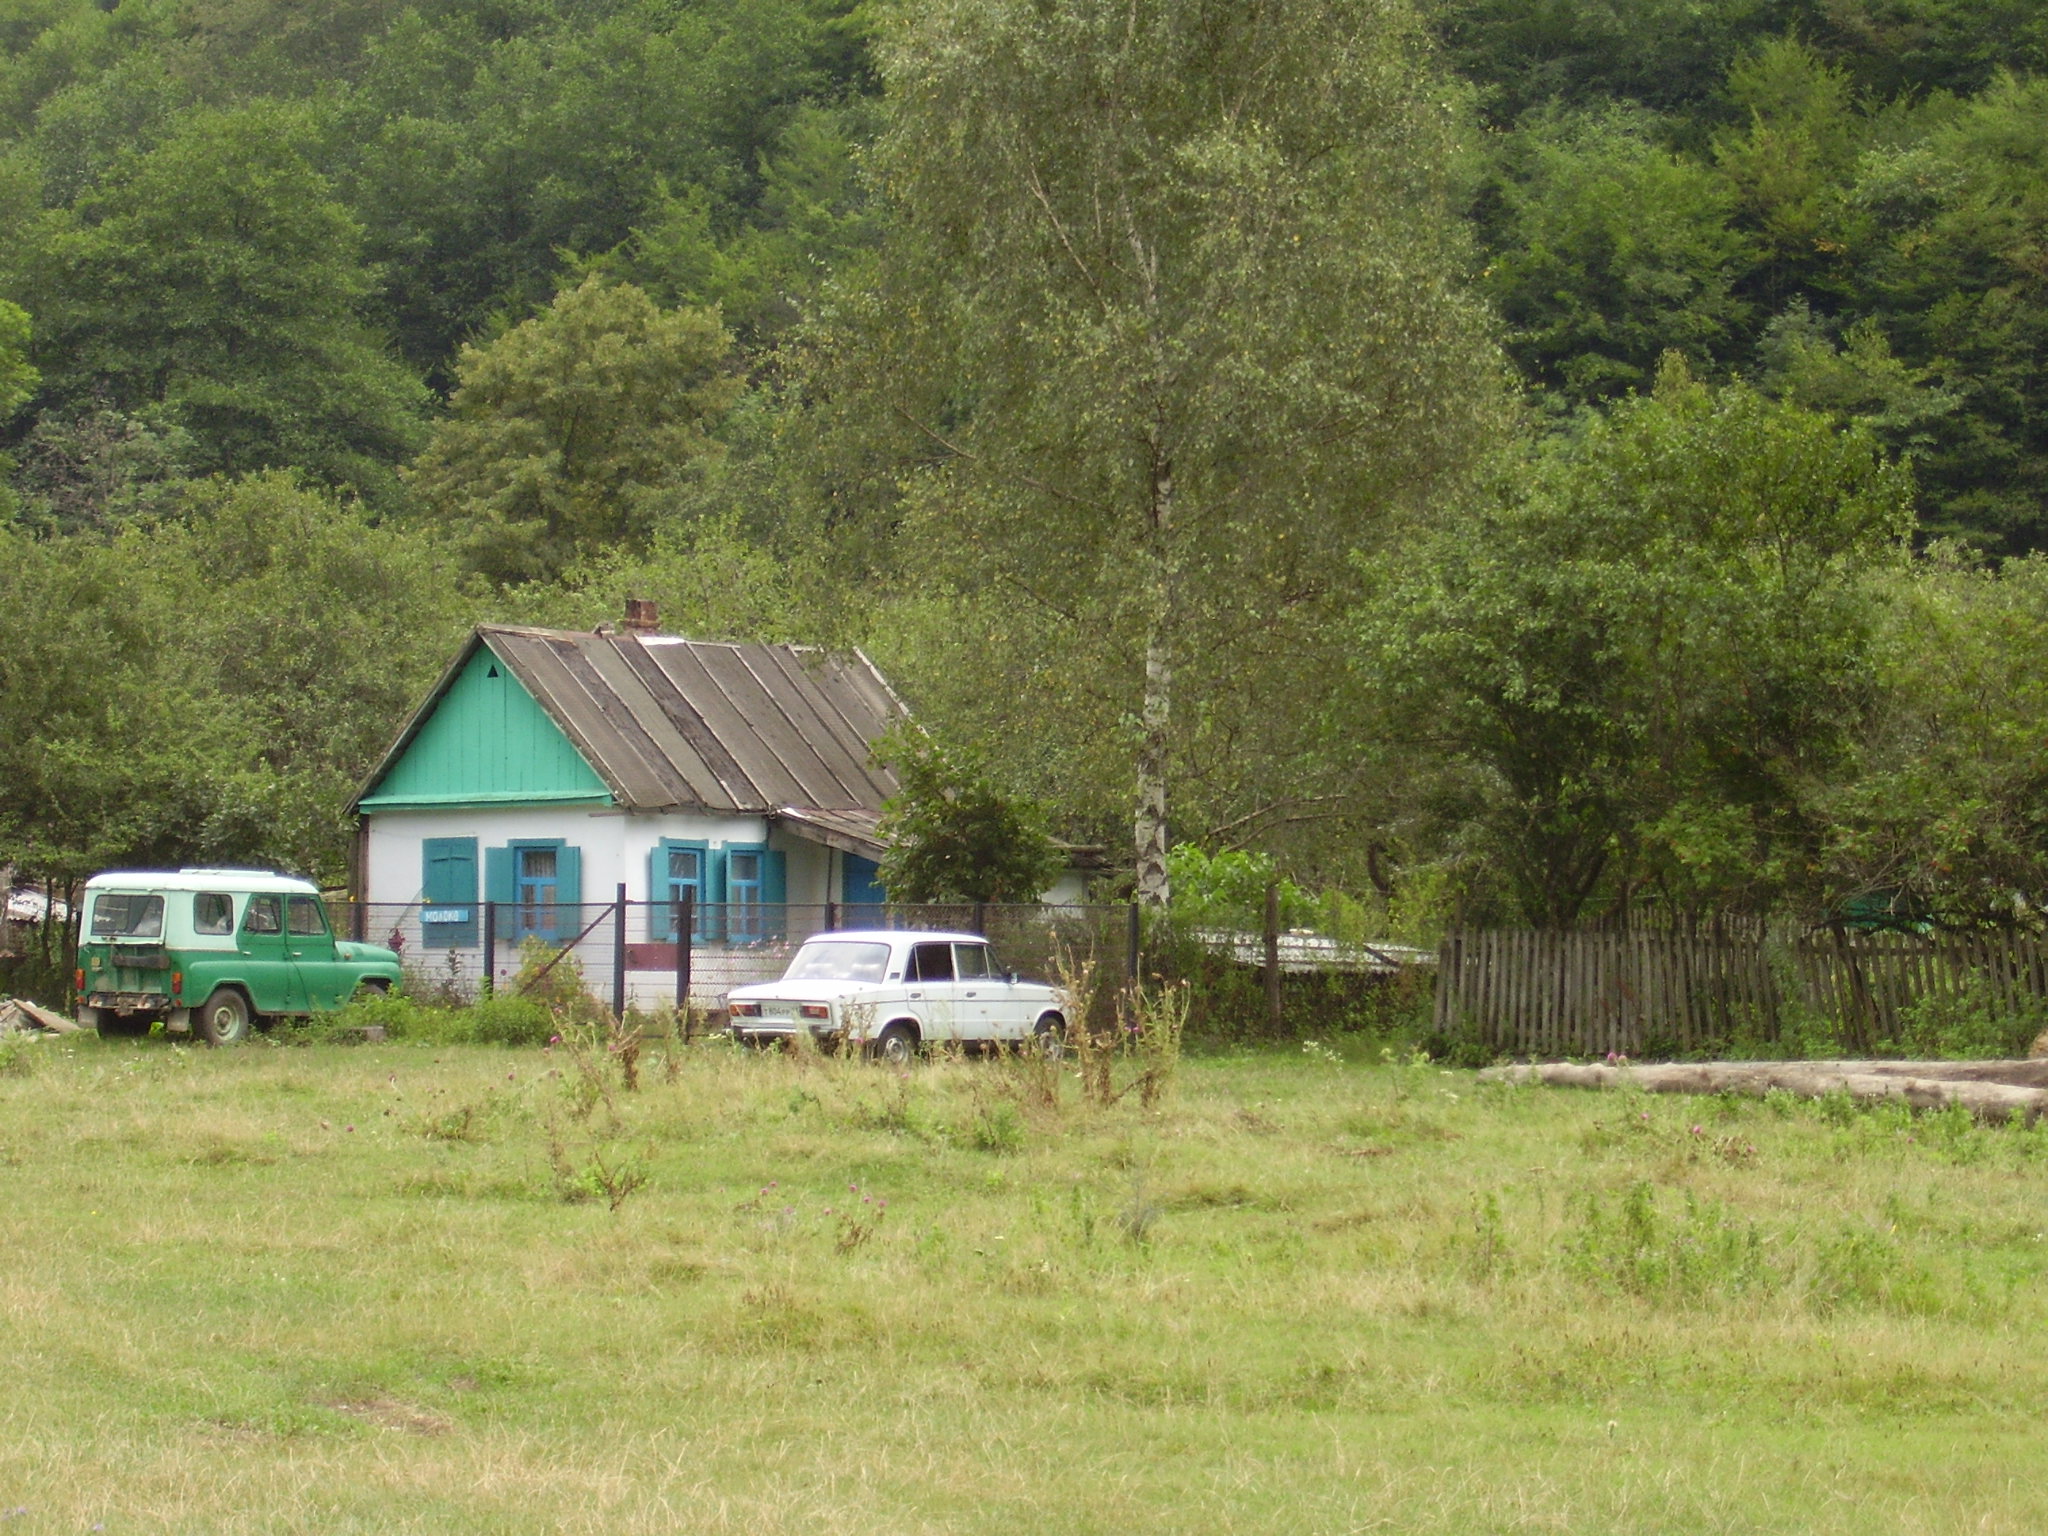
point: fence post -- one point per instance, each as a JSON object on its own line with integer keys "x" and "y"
{"x": 1131, "y": 936}
{"x": 490, "y": 948}
{"x": 685, "y": 921}
{"x": 619, "y": 954}
{"x": 358, "y": 919}
{"x": 1273, "y": 956}
{"x": 831, "y": 916}
{"x": 981, "y": 918}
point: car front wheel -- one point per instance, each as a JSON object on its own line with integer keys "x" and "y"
{"x": 225, "y": 1018}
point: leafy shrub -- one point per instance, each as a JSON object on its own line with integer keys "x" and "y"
{"x": 507, "y": 1018}
{"x": 1972, "y": 1023}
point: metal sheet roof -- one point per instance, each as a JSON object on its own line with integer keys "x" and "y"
{"x": 672, "y": 724}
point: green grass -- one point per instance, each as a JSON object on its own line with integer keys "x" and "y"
{"x": 384, "y": 1288}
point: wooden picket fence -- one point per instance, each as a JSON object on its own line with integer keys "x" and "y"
{"x": 1536, "y": 993}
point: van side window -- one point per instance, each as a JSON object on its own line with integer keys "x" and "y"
{"x": 213, "y": 912}
{"x": 306, "y": 915}
{"x": 264, "y": 915}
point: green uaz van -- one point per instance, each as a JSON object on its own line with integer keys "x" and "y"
{"x": 221, "y": 949}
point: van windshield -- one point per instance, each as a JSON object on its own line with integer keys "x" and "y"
{"x": 127, "y": 915}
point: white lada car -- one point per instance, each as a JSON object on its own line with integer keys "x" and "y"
{"x": 894, "y": 993}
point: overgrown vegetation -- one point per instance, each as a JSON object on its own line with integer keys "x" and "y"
{"x": 1375, "y": 1282}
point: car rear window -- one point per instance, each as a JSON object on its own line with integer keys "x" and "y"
{"x": 931, "y": 962}
{"x": 127, "y": 915}
{"x": 834, "y": 960}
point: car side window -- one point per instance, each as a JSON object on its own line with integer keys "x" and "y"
{"x": 265, "y": 915}
{"x": 971, "y": 961}
{"x": 213, "y": 912}
{"x": 306, "y": 917}
{"x": 931, "y": 962}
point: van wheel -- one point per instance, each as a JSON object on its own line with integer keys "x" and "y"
{"x": 225, "y": 1018}
{"x": 896, "y": 1045}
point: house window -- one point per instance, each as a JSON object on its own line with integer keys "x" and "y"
{"x": 745, "y": 872}
{"x": 538, "y": 873}
{"x": 534, "y": 886}
{"x": 677, "y": 869}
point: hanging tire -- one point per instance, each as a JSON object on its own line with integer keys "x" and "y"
{"x": 224, "y": 1020}
{"x": 896, "y": 1045}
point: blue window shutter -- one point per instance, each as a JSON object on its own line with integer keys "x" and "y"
{"x": 775, "y": 892}
{"x": 499, "y": 883}
{"x": 569, "y": 875}
{"x": 714, "y": 895}
{"x": 448, "y": 887}
{"x": 661, "y": 917}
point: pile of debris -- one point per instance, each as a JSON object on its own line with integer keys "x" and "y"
{"x": 20, "y": 1016}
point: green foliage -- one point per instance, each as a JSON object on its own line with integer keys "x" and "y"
{"x": 1944, "y": 801}
{"x": 1610, "y": 251}
{"x": 566, "y": 428}
{"x": 17, "y": 383}
{"x": 1973, "y": 1023}
{"x": 215, "y": 273}
{"x": 1640, "y": 657}
{"x": 152, "y": 717}
{"x": 1228, "y": 891}
{"x": 954, "y": 836}
{"x": 1166, "y": 321}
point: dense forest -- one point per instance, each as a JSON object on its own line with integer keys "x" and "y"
{"x": 1532, "y": 458}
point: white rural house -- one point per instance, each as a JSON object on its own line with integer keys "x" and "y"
{"x": 548, "y": 768}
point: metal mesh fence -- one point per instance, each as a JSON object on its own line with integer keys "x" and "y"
{"x": 627, "y": 954}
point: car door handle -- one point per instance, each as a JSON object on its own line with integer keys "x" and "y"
{"x": 917, "y": 994}
{"x": 968, "y": 994}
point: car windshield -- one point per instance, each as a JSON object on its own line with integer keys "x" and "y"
{"x": 836, "y": 960}
{"x": 126, "y": 915}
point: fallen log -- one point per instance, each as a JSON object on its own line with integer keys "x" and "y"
{"x": 1924, "y": 1085}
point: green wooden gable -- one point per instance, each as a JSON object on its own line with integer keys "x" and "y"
{"x": 486, "y": 743}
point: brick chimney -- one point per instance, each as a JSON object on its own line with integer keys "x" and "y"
{"x": 640, "y": 616}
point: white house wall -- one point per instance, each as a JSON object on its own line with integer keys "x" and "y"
{"x": 615, "y": 848}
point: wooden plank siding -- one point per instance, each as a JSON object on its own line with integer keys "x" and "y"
{"x": 1530, "y": 992}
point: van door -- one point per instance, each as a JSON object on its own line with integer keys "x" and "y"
{"x": 267, "y": 967}
{"x": 327, "y": 980}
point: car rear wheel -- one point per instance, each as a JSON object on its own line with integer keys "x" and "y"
{"x": 1049, "y": 1037}
{"x": 896, "y": 1045}
{"x": 225, "y": 1018}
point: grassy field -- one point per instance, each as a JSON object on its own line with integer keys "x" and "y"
{"x": 462, "y": 1289}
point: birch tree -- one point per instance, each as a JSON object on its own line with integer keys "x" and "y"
{"x": 1171, "y": 307}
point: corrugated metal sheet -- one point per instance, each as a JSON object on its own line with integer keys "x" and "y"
{"x": 672, "y": 724}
